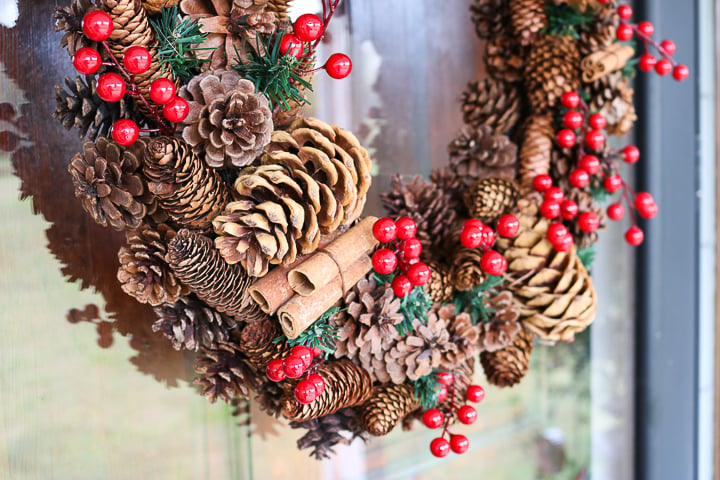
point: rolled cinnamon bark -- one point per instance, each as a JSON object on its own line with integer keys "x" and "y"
{"x": 606, "y": 61}
{"x": 326, "y": 264}
{"x": 301, "y": 312}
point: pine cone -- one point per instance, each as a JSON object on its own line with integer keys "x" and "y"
{"x": 223, "y": 372}
{"x": 504, "y": 325}
{"x": 69, "y": 20}
{"x": 325, "y": 432}
{"x": 199, "y": 265}
{"x": 552, "y": 68}
{"x": 599, "y": 33}
{"x": 368, "y": 319}
{"x": 536, "y": 149}
{"x": 583, "y": 5}
{"x": 463, "y": 334}
{"x": 465, "y": 271}
{"x": 439, "y": 287}
{"x": 189, "y": 323}
{"x": 493, "y": 103}
{"x": 491, "y": 17}
{"x": 269, "y": 396}
{"x": 191, "y": 193}
{"x": 490, "y": 198}
{"x": 143, "y": 273}
{"x": 346, "y": 385}
{"x": 585, "y": 203}
{"x": 387, "y": 406}
{"x": 612, "y": 96}
{"x": 228, "y": 121}
{"x": 109, "y": 185}
{"x": 506, "y": 367}
{"x": 153, "y": 7}
{"x": 257, "y": 342}
{"x": 528, "y": 19}
{"x": 280, "y": 9}
{"x": 505, "y": 58}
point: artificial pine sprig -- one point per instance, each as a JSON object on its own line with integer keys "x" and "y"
{"x": 176, "y": 35}
{"x": 414, "y": 305}
{"x": 320, "y": 334}
{"x": 566, "y": 20}
{"x": 473, "y": 301}
{"x": 427, "y": 390}
{"x": 587, "y": 256}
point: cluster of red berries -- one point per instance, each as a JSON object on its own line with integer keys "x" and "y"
{"x": 404, "y": 254}
{"x": 298, "y": 363}
{"x": 476, "y": 234}
{"x": 591, "y": 131}
{"x": 309, "y": 28}
{"x": 111, "y": 87}
{"x": 434, "y": 418}
{"x": 648, "y": 62}
{"x": 643, "y": 202}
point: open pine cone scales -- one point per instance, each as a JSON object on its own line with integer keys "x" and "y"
{"x": 491, "y": 102}
{"x": 528, "y": 19}
{"x": 506, "y": 367}
{"x": 490, "y": 198}
{"x": 189, "y": 323}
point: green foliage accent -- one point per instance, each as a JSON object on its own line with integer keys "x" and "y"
{"x": 587, "y": 256}
{"x": 414, "y": 305}
{"x": 566, "y": 20}
{"x": 427, "y": 389}
{"x": 320, "y": 334}
{"x": 277, "y": 76}
{"x": 473, "y": 301}
{"x": 383, "y": 279}
{"x": 630, "y": 69}
{"x": 597, "y": 191}
{"x": 175, "y": 36}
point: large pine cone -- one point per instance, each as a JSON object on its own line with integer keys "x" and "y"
{"x": 387, "y": 406}
{"x": 189, "y": 323}
{"x": 190, "y": 192}
{"x": 552, "y": 68}
{"x": 477, "y": 153}
{"x": 490, "y": 198}
{"x": 493, "y": 103}
{"x": 223, "y": 372}
{"x": 536, "y": 149}
{"x": 504, "y": 323}
{"x": 505, "y": 58}
{"x": 528, "y": 18}
{"x": 69, "y": 20}
{"x": 109, "y": 185}
{"x": 143, "y": 272}
{"x": 612, "y": 96}
{"x": 506, "y": 367}
{"x": 228, "y": 122}
{"x": 490, "y": 17}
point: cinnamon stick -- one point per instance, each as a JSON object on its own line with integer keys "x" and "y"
{"x": 599, "y": 64}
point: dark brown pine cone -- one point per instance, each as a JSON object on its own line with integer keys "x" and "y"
{"x": 257, "y": 342}
{"x": 269, "y": 395}
{"x": 528, "y": 19}
{"x": 599, "y": 33}
{"x": 477, "y": 153}
{"x": 189, "y": 323}
{"x": 506, "y": 367}
{"x": 439, "y": 287}
{"x": 387, "y": 406}
{"x": 491, "y": 17}
{"x": 504, "y": 324}
{"x": 223, "y": 372}
{"x": 491, "y": 102}
{"x": 109, "y": 184}
{"x": 324, "y": 433}
{"x": 69, "y": 20}
{"x": 551, "y": 69}
{"x": 490, "y": 198}
{"x": 505, "y": 58}
{"x": 465, "y": 271}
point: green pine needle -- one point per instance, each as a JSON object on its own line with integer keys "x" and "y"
{"x": 587, "y": 256}
{"x": 473, "y": 301}
{"x": 320, "y": 334}
{"x": 414, "y": 305}
{"x": 566, "y": 20}
{"x": 427, "y": 389}
{"x": 176, "y": 37}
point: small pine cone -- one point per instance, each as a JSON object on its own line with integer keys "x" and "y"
{"x": 346, "y": 385}
{"x": 506, "y": 367}
{"x": 153, "y": 7}
{"x": 490, "y": 198}
{"x": 439, "y": 287}
{"x": 324, "y": 433}
{"x": 552, "y": 68}
{"x": 109, "y": 185}
{"x": 504, "y": 325}
{"x": 228, "y": 122}
{"x": 477, "y": 153}
{"x": 189, "y": 323}
{"x": 599, "y": 33}
{"x": 528, "y": 19}
{"x": 280, "y": 9}
{"x": 69, "y": 20}
{"x": 387, "y": 406}
{"x": 465, "y": 271}
{"x": 505, "y": 58}
{"x": 585, "y": 203}
{"x": 490, "y": 17}
{"x": 190, "y": 192}
{"x": 463, "y": 334}
{"x": 143, "y": 272}
{"x": 269, "y": 395}
{"x": 198, "y": 265}
{"x": 257, "y": 342}
{"x": 536, "y": 149}
{"x": 612, "y": 96}
{"x": 491, "y": 102}
{"x": 223, "y": 372}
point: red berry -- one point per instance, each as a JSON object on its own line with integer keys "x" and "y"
{"x": 440, "y": 447}
{"x": 564, "y": 243}
{"x": 411, "y": 248}
{"x": 588, "y": 222}
{"x": 597, "y": 121}
{"x": 111, "y": 87}
{"x": 624, "y": 32}
{"x": 471, "y": 237}
{"x": 648, "y": 211}
{"x": 566, "y": 138}
{"x": 570, "y": 100}
{"x": 177, "y": 110}
{"x": 589, "y": 163}
{"x": 445, "y": 378}
{"x": 467, "y": 414}
{"x": 646, "y": 28}
{"x": 615, "y": 211}
{"x": 419, "y": 274}
{"x": 554, "y": 194}
{"x": 305, "y": 392}
{"x": 316, "y": 351}
{"x": 572, "y": 120}
{"x": 493, "y": 263}
{"x": 508, "y": 226}
{"x": 137, "y": 59}
{"x": 384, "y": 261}
{"x": 488, "y": 236}
{"x": 542, "y": 182}
{"x": 579, "y": 178}
{"x": 663, "y": 67}
{"x": 669, "y": 46}
{"x": 304, "y": 354}
{"x": 556, "y": 231}
{"x": 384, "y": 230}
{"x": 401, "y": 286}
{"x": 97, "y": 25}
{"x": 293, "y": 366}
{"x": 291, "y": 45}
{"x": 680, "y": 73}
{"x": 125, "y": 132}
{"x": 308, "y": 27}
{"x": 625, "y": 12}
{"x": 550, "y": 209}
{"x": 87, "y": 61}
{"x": 442, "y": 394}
{"x": 643, "y": 199}
{"x": 319, "y": 382}
{"x": 647, "y": 62}
{"x": 459, "y": 443}
{"x": 338, "y": 65}
{"x": 162, "y": 91}
{"x": 433, "y": 418}
{"x": 406, "y": 228}
{"x": 613, "y": 183}
{"x": 634, "y": 236}
{"x": 594, "y": 139}
{"x": 473, "y": 223}
{"x": 475, "y": 394}
{"x": 631, "y": 154}
{"x": 274, "y": 370}
{"x": 568, "y": 209}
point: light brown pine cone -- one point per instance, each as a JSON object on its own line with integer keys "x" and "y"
{"x": 490, "y": 198}
{"x": 387, "y": 406}
{"x": 506, "y": 367}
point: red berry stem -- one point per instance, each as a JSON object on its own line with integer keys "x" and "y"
{"x": 645, "y": 39}
{"x": 628, "y": 201}
{"x": 329, "y": 7}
